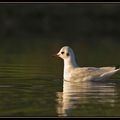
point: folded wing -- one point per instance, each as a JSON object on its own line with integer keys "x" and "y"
{"x": 93, "y": 73}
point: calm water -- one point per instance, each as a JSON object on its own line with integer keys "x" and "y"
{"x": 31, "y": 85}
{"x": 25, "y": 91}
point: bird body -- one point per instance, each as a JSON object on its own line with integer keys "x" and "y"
{"x": 72, "y": 72}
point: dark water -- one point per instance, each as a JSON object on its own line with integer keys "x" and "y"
{"x": 31, "y": 85}
{"x": 25, "y": 91}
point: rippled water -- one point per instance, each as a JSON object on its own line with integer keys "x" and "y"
{"x": 89, "y": 99}
{"x": 26, "y": 91}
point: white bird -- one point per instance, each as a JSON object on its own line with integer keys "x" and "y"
{"x": 74, "y": 73}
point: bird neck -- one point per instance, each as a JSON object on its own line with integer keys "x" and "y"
{"x": 70, "y": 63}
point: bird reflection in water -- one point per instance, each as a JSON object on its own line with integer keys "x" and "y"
{"x": 76, "y": 94}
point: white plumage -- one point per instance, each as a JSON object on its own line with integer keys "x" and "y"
{"x": 72, "y": 72}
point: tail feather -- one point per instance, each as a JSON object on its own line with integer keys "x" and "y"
{"x": 117, "y": 67}
{"x": 107, "y": 75}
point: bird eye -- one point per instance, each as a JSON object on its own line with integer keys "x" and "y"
{"x": 67, "y": 54}
{"x": 62, "y": 52}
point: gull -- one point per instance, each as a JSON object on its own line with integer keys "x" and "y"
{"x": 73, "y": 73}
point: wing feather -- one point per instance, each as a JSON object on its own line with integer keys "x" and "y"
{"x": 88, "y": 73}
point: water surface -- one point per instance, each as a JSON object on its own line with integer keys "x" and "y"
{"x": 25, "y": 91}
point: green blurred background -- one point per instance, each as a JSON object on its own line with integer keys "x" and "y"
{"x": 31, "y": 33}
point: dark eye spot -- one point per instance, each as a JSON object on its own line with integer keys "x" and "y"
{"x": 62, "y": 52}
{"x": 67, "y": 54}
